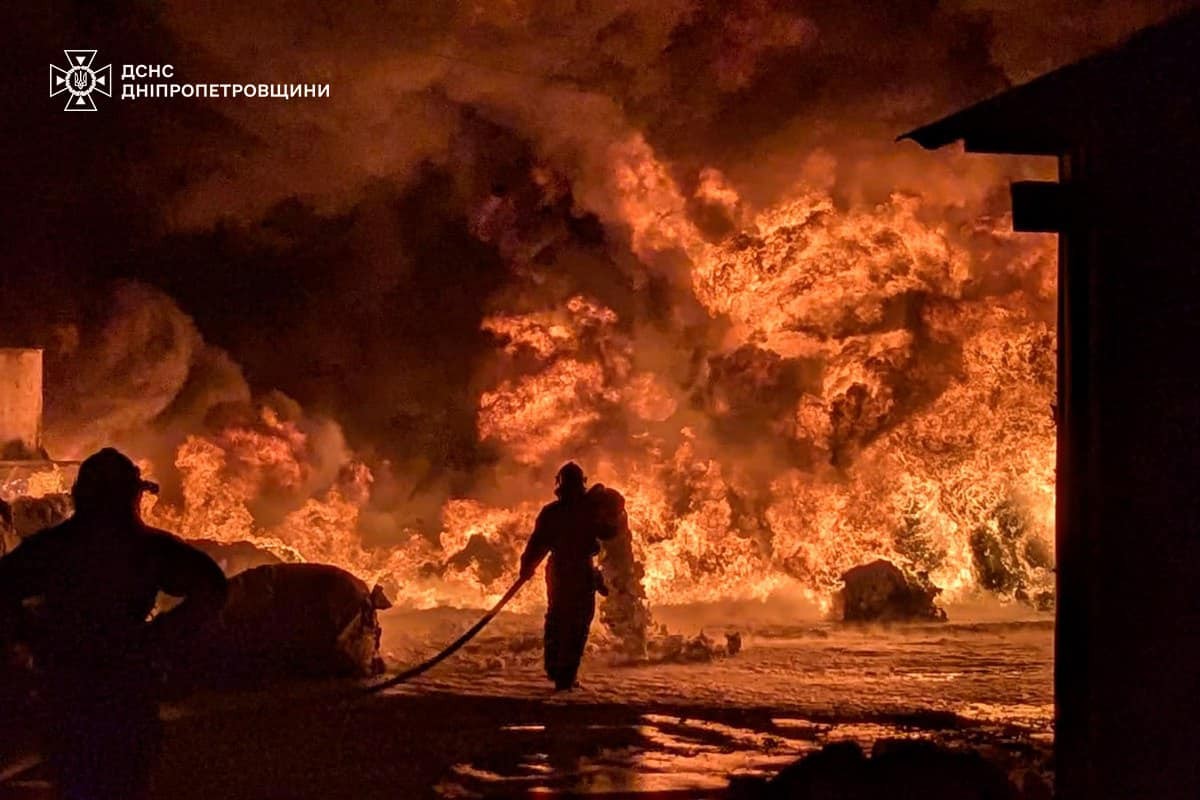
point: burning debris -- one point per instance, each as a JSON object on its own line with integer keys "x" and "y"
{"x": 881, "y": 592}
{"x": 667, "y": 647}
{"x": 623, "y": 611}
{"x": 1012, "y": 561}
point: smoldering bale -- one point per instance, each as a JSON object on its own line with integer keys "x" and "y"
{"x": 293, "y": 620}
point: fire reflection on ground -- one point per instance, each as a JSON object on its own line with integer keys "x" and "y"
{"x": 486, "y": 725}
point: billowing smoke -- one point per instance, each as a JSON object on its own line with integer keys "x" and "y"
{"x": 141, "y": 377}
{"x": 672, "y": 240}
{"x": 134, "y": 367}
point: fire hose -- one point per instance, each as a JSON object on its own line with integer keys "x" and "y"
{"x": 451, "y": 648}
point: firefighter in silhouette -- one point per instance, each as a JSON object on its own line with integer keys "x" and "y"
{"x": 570, "y": 529}
{"x": 90, "y": 585}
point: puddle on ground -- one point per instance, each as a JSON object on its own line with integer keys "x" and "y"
{"x": 661, "y": 753}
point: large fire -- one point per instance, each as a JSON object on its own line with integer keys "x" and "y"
{"x": 872, "y": 382}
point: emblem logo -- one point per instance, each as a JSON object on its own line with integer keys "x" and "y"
{"x": 79, "y": 80}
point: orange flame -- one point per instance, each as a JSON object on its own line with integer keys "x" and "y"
{"x": 918, "y": 424}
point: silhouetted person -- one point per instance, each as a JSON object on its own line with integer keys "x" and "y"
{"x": 570, "y": 530}
{"x": 91, "y": 583}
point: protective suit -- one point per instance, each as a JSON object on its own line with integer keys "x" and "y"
{"x": 86, "y": 588}
{"x": 570, "y": 530}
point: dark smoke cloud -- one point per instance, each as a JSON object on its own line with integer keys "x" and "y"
{"x": 126, "y": 371}
{"x": 478, "y": 158}
{"x": 434, "y": 105}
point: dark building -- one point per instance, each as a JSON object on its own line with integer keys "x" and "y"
{"x": 1125, "y": 126}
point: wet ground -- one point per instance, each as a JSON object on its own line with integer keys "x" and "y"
{"x": 485, "y": 724}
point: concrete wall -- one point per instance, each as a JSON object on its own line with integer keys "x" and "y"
{"x": 20, "y": 403}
